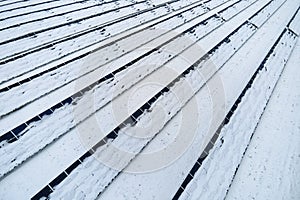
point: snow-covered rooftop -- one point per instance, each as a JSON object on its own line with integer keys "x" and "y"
{"x": 149, "y": 99}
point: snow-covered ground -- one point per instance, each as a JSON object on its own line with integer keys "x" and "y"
{"x": 154, "y": 99}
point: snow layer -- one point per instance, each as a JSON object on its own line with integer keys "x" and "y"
{"x": 165, "y": 180}
{"x": 85, "y": 179}
{"x": 9, "y": 34}
{"x": 21, "y": 5}
{"x": 239, "y": 6}
{"x": 25, "y": 64}
{"x": 111, "y": 154}
{"x": 63, "y": 7}
{"x": 47, "y": 101}
{"x": 43, "y": 57}
{"x": 219, "y": 167}
{"x": 270, "y": 167}
{"x": 266, "y": 12}
{"x": 295, "y": 25}
{"x": 37, "y": 136}
{"x": 227, "y": 30}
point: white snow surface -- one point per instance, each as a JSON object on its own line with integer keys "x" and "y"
{"x": 125, "y": 143}
{"x": 219, "y": 167}
{"x": 272, "y": 160}
{"x": 104, "y": 93}
{"x": 151, "y": 158}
